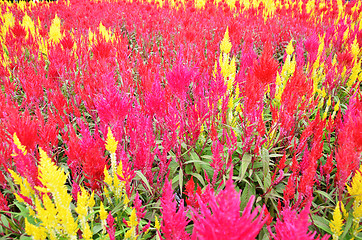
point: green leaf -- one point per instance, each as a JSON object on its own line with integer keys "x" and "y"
{"x": 266, "y": 168}
{"x": 194, "y": 155}
{"x": 326, "y": 195}
{"x": 247, "y": 192}
{"x": 97, "y": 228}
{"x": 275, "y": 155}
{"x": 195, "y": 161}
{"x": 199, "y": 177}
{"x": 188, "y": 169}
{"x": 240, "y": 148}
{"x": 4, "y": 221}
{"x": 347, "y": 226}
{"x": 258, "y": 179}
{"x": 244, "y": 166}
{"x": 322, "y": 223}
{"x": 25, "y": 238}
{"x": 173, "y": 166}
{"x": 265, "y": 160}
{"x": 197, "y": 164}
{"x": 144, "y": 179}
{"x": 119, "y": 232}
{"x": 181, "y": 179}
{"x": 209, "y": 157}
{"x": 175, "y": 181}
{"x": 24, "y": 212}
{"x": 267, "y": 181}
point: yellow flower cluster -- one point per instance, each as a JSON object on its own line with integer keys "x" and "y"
{"x": 228, "y": 68}
{"x": 228, "y": 71}
{"x": 111, "y": 146}
{"x": 53, "y": 211}
{"x": 18, "y": 144}
{"x": 111, "y": 179}
{"x": 132, "y": 223}
{"x": 319, "y": 75}
{"x": 105, "y": 33}
{"x": 287, "y": 71}
{"x": 85, "y": 204}
{"x": 355, "y": 190}
{"x": 337, "y": 222}
{"x": 51, "y": 208}
{"x": 103, "y": 216}
{"x": 31, "y": 29}
{"x": 356, "y": 69}
{"x": 54, "y": 32}
{"x": 55, "y": 216}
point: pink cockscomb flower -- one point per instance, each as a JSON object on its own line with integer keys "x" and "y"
{"x": 293, "y": 225}
{"x": 219, "y": 218}
{"x": 173, "y": 222}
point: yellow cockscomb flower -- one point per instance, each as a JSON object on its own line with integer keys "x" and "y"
{"x": 103, "y": 215}
{"x": 133, "y": 219}
{"x": 111, "y": 143}
{"x": 290, "y": 48}
{"x": 102, "y": 212}
{"x": 8, "y": 21}
{"x": 18, "y": 144}
{"x": 337, "y": 223}
{"x": 107, "y": 178}
{"x": 38, "y": 233}
{"x": 29, "y": 25}
{"x": 157, "y": 223}
{"x": 54, "y": 32}
{"x": 225, "y": 45}
{"x": 82, "y": 200}
{"x": 356, "y": 186}
{"x": 53, "y": 179}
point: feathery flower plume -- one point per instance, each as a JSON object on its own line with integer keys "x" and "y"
{"x": 225, "y": 45}
{"x": 294, "y": 225}
{"x": 54, "y": 32}
{"x": 219, "y": 218}
{"x": 337, "y": 223}
{"x": 18, "y": 144}
{"x": 174, "y": 221}
{"x": 53, "y": 180}
{"x": 111, "y": 146}
{"x": 111, "y": 229}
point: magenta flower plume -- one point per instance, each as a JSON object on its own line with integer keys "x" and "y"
{"x": 219, "y": 218}
{"x": 173, "y": 222}
{"x": 110, "y": 228}
{"x": 294, "y": 226}
{"x": 102, "y": 50}
{"x": 3, "y": 203}
{"x": 180, "y": 78}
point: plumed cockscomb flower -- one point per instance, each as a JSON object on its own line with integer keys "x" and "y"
{"x": 3, "y": 203}
{"x": 67, "y": 42}
{"x": 173, "y": 222}
{"x": 191, "y": 199}
{"x": 179, "y": 79}
{"x": 113, "y": 106}
{"x": 110, "y": 228}
{"x": 102, "y": 50}
{"x": 219, "y": 218}
{"x": 18, "y": 32}
{"x": 294, "y": 225}
{"x": 265, "y": 69}
{"x": 336, "y": 223}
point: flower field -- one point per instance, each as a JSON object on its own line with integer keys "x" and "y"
{"x": 181, "y": 119}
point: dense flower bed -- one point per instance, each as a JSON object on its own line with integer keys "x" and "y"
{"x": 185, "y": 119}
